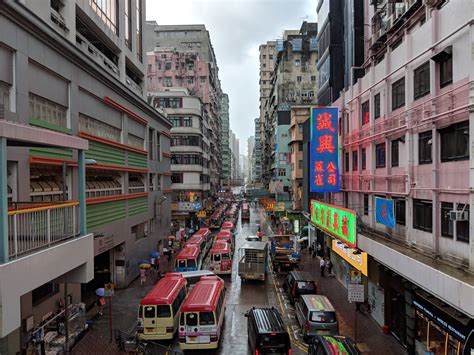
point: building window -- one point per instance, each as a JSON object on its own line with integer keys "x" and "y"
{"x": 400, "y": 211}
{"x": 168, "y": 66}
{"x": 177, "y": 178}
{"x": 298, "y": 79}
{"x": 168, "y": 102}
{"x": 424, "y": 148}
{"x": 135, "y": 141}
{"x": 398, "y": 94}
{"x": 446, "y": 222}
{"x": 366, "y": 205}
{"x": 300, "y": 128}
{"x": 128, "y": 24}
{"x": 376, "y": 106}
{"x": 446, "y": 71}
{"x": 300, "y": 146}
{"x": 107, "y": 11}
{"x": 346, "y": 161}
{"x": 151, "y": 145}
{"x": 297, "y": 62}
{"x": 313, "y": 78}
{"x": 139, "y": 29}
{"x": 300, "y": 164}
{"x": 421, "y": 81}
{"x": 140, "y": 230}
{"x": 158, "y": 146}
{"x": 380, "y": 155}
{"x": 423, "y": 215}
{"x": 364, "y": 159}
{"x": 281, "y": 172}
{"x": 365, "y": 118}
{"x": 47, "y": 111}
{"x": 455, "y": 142}
{"x": 462, "y": 227}
{"x": 43, "y": 292}
{"x": 4, "y": 96}
{"x": 151, "y": 182}
{"x": 354, "y": 160}
{"x": 395, "y": 153}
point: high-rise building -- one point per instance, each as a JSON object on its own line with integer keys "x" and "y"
{"x": 406, "y": 152}
{"x": 257, "y": 170}
{"x": 293, "y": 82}
{"x": 250, "y": 157}
{"x": 84, "y": 159}
{"x": 183, "y": 56}
{"x": 225, "y": 147}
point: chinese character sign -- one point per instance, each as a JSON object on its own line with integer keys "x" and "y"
{"x": 324, "y": 161}
{"x": 384, "y": 212}
{"x": 338, "y": 221}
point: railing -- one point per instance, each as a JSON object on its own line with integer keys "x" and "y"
{"x": 134, "y": 85}
{"x": 375, "y": 183}
{"x": 33, "y": 226}
{"x": 97, "y": 55}
{"x": 443, "y": 106}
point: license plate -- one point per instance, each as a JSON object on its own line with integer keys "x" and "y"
{"x": 323, "y": 332}
{"x": 191, "y": 339}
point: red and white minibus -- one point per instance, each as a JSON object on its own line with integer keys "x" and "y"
{"x": 202, "y": 315}
{"x": 198, "y": 240}
{"x": 158, "y": 312}
{"x": 221, "y": 258}
{"x": 188, "y": 259}
{"x": 226, "y": 235}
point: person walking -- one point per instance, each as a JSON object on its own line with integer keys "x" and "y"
{"x": 329, "y": 266}
{"x": 310, "y": 249}
{"x": 142, "y": 276}
{"x": 322, "y": 265}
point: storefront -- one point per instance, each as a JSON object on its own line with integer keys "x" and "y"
{"x": 345, "y": 260}
{"x": 440, "y": 329}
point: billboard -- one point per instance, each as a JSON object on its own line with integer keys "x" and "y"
{"x": 356, "y": 258}
{"x": 324, "y": 150}
{"x": 384, "y": 212}
{"x": 338, "y": 221}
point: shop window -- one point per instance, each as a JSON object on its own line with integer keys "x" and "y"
{"x": 365, "y": 110}
{"x": 423, "y": 215}
{"x": 446, "y": 222}
{"x": 446, "y": 71}
{"x": 398, "y": 94}
{"x": 364, "y": 159}
{"x": 366, "y": 205}
{"x": 354, "y": 160}
{"x": 400, "y": 211}
{"x": 395, "y": 153}
{"x": 424, "y": 148}
{"x": 380, "y": 155}
{"x": 455, "y": 142}
{"x": 421, "y": 81}
{"x": 376, "y": 106}
{"x": 44, "y": 292}
{"x": 462, "y": 227}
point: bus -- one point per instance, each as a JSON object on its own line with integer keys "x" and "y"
{"x": 221, "y": 258}
{"x": 228, "y": 225}
{"x": 228, "y": 237}
{"x": 206, "y": 234}
{"x": 192, "y": 277}
{"x": 216, "y": 220}
{"x": 158, "y": 312}
{"x": 202, "y": 315}
{"x": 188, "y": 259}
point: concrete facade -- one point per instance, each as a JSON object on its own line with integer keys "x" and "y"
{"x": 225, "y": 147}
{"x": 69, "y": 69}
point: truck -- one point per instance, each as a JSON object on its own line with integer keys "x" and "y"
{"x": 284, "y": 252}
{"x": 253, "y": 261}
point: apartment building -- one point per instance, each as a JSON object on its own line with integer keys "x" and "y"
{"x": 257, "y": 169}
{"x": 293, "y": 82}
{"x": 189, "y": 152}
{"x": 225, "y": 147}
{"x": 82, "y": 152}
{"x": 251, "y": 158}
{"x": 183, "y": 56}
{"x": 406, "y": 138}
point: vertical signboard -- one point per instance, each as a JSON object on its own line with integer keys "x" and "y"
{"x": 384, "y": 212}
{"x": 324, "y": 150}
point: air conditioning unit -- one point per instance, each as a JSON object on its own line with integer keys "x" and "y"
{"x": 458, "y": 215}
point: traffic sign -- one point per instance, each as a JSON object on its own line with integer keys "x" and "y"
{"x": 356, "y": 277}
{"x": 355, "y": 292}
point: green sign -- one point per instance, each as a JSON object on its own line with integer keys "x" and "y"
{"x": 338, "y": 221}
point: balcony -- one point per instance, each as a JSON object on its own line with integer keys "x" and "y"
{"x": 90, "y": 50}
{"x": 134, "y": 86}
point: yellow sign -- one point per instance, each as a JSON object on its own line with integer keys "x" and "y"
{"x": 201, "y": 214}
{"x": 279, "y": 207}
{"x": 357, "y": 259}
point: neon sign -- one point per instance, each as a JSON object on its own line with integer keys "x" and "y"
{"x": 338, "y": 221}
{"x": 324, "y": 150}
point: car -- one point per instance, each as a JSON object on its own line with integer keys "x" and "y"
{"x": 316, "y": 316}
{"x": 267, "y": 333}
{"x": 299, "y": 283}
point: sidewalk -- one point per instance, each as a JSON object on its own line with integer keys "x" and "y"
{"x": 370, "y": 337}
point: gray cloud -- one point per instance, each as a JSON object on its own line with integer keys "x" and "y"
{"x": 237, "y": 28}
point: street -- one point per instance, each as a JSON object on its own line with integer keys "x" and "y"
{"x": 241, "y": 296}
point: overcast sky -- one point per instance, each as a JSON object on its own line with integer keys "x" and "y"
{"x": 237, "y": 28}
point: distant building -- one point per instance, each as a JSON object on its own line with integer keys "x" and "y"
{"x": 257, "y": 155}
{"x": 250, "y": 157}
{"x": 225, "y": 144}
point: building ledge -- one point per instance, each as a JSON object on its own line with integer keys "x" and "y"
{"x": 453, "y": 285}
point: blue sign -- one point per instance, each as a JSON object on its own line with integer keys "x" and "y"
{"x": 324, "y": 150}
{"x": 384, "y": 212}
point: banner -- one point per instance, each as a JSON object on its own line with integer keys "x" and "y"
{"x": 324, "y": 150}
{"x": 384, "y": 212}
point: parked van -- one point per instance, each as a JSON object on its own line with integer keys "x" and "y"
{"x": 299, "y": 283}
{"x": 266, "y": 332}
{"x": 328, "y": 345}
{"x": 316, "y": 316}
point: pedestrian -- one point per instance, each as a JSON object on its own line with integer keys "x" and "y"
{"x": 142, "y": 276}
{"x": 322, "y": 265}
{"x": 329, "y": 266}
{"x": 319, "y": 249}
{"x": 170, "y": 243}
{"x": 156, "y": 264}
{"x": 310, "y": 249}
{"x": 101, "y": 304}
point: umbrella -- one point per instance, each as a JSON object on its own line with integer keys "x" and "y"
{"x": 100, "y": 292}
{"x": 145, "y": 266}
{"x": 155, "y": 254}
